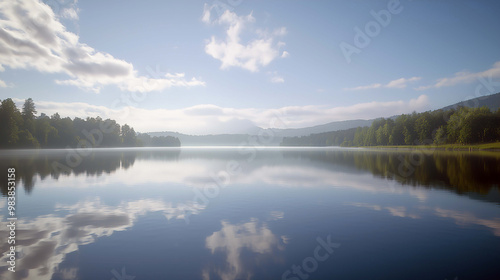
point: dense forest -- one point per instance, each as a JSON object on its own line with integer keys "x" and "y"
{"x": 23, "y": 129}
{"x": 454, "y": 126}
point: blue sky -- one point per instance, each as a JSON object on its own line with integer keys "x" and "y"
{"x": 222, "y": 66}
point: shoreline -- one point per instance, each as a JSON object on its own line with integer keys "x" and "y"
{"x": 491, "y": 147}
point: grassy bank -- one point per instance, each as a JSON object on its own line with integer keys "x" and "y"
{"x": 447, "y": 147}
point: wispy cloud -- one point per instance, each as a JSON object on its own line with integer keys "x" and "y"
{"x": 372, "y": 86}
{"x": 70, "y": 13}
{"x": 465, "y": 77}
{"x": 257, "y": 52}
{"x": 32, "y": 26}
{"x": 2, "y": 84}
{"x": 212, "y": 119}
{"x": 399, "y": 83}
{"x": 276, "y": 78}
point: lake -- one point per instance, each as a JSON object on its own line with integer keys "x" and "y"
{"x": 252, "y": 213}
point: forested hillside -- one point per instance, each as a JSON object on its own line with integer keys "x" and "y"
{"x": 454, "y": 126}
{"x": 22, "y": 129}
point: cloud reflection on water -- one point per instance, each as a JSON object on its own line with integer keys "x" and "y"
{"x": 44, "y": 242}
{"x": 232, "y": 239}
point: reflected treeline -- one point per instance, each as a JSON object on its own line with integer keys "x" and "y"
{"x": 460, "y": 171}
{"x": 43, "y": 163}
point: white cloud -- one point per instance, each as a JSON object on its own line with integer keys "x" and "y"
{"x": 285, "y": 54}
{"x": 212, "y": 119}
{"x": 32, "y": 37}
{"x": 252, "y": 55}
{"x": 2, "y": 84}
{"x": 465, "y": 77}
{"x": 399, "y": 83}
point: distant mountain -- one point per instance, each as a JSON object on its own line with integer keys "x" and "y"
{"x": 218, "y": 139}
{"x": 491, "y": 101}
{"x": 332, "y": 126}
{"x": 278, "y": 134}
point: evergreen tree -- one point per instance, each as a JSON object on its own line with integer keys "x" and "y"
{"x": 28, "y": 114}
{"x": 10, "y": 120}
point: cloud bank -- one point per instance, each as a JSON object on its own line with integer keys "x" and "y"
{"x": 32, "y": 37}
{"x": 212, "y": 119}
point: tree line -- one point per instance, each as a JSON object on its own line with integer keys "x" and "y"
{"x": 462, "y": 125}
{"x": 23, "y": 129}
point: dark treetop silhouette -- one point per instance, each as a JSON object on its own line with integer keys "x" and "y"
{"x": 25, "y": 130}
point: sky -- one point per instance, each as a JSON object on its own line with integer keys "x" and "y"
{"x": 224, "y": 66}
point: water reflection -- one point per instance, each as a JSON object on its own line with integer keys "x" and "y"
{"x": 458, "y": 171}
{"x": 462, "y": 218}
{"x": 46, "y": 240}
{"x": 281, "y": 197}
{"x": 31, "y": 164}
{"x": 396, "y": 211}
{"x": 233, "y": 239}
{"x": 466, "y": 218}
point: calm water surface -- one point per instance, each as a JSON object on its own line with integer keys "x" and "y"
{"x": 268, "y": 213}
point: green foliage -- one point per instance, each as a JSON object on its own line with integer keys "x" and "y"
{"x": 26, "y": 140}
{"x": 25, "y": 130}
{"x": 453, "y": 126}
{"x": 158, "y": 141}
{"x": 128, "y": 136}
{"x": 10, "y": 120}
{"x": 28, "y": 115}
{"x": 408, "y": 135}
{"x": 370, "y": 137}
{"x": 440, "y": 137}
{"x": 423, "y": 127}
